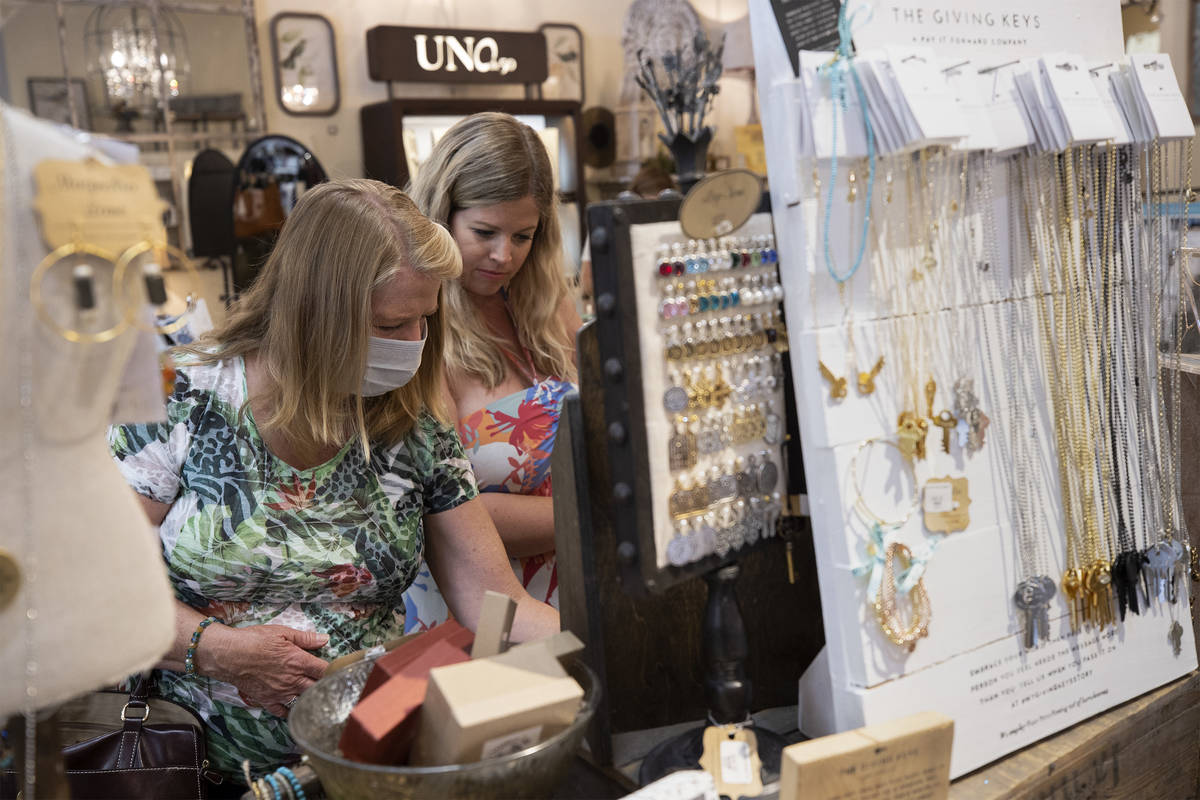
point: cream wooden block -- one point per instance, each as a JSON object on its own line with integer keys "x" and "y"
{"x": 906, "y": 759}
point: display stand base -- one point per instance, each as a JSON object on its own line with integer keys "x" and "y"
{"x": 684, "y": 751}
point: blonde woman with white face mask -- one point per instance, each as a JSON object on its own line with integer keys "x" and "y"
{"x": 510, "y": 357}
{"x": 307, "y": 466}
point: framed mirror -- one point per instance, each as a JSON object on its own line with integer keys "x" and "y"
{"x": 304, "y": 54}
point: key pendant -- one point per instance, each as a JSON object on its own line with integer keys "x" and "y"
{"x": 1159, "y": 561}
{"x": 930, "y": 394}
{"x": 1071, "y": 588}
{"x": 947, "y": 422}
{"x": 837, "y": 386}
{"x": 978, "y": 422}
{"x": 1099, "y": 583}
{"x": 911, "y": 437}
{"x": 1177, "y": 570}
{"x": 1032, "y": 600}
{"x": 866, "y": 380}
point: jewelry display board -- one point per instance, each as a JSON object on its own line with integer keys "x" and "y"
{"x": 692, "y": 341}
{"x": 949, "y": 557}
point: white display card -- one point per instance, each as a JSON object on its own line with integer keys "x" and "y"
{"x": 646, "y": 242}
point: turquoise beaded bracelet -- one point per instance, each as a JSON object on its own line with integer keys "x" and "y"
{"x": 294, "y": 781}
{"x": 189, "y": 663}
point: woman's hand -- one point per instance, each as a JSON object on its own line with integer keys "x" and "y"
{"x": 269, "y": 664}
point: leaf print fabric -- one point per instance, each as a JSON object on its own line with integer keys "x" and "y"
{"x": 252, "y": 541}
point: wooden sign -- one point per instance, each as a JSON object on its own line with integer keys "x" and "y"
{"x": 86, "y": 202}
{"x": 720, "y": 204}
{"x": 906, "y": 759}
{"x": 455, "y": 55}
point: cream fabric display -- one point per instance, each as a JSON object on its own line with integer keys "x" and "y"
{"x": 93, "y": 603}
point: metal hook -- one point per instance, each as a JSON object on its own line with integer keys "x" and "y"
{"x": 999, "y": 66}
{"x": 956, "y": 66}
{"x": 912, "y": 57}
{"x": 1094, "y": 70}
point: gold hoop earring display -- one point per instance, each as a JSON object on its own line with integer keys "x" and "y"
{"x": 37, "y": 300}
{"x": 860, "y": 503}
{"x": 125, "y": 288}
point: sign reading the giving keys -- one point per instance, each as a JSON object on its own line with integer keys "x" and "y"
{"x": 984, "y": 30}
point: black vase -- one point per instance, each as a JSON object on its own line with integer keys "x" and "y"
{"x": 691, "y": 156}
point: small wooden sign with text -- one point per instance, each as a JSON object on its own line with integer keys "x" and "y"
{"x": 720, "y": 204}
{"x": 907, "y": 758}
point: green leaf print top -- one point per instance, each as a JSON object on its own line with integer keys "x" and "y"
{"x": 254, "y": 541}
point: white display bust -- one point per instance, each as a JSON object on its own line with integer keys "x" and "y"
{"x": 90, "y": 561}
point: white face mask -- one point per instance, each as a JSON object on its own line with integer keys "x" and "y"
{"x": 391, "y": 363}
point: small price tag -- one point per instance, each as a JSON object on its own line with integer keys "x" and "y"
{"x": 731, "y": 757}
{"x": 946, "y": 505}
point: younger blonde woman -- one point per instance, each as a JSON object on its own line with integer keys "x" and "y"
{"x": 510, "y": 353}
{"x": 306, "y": 468}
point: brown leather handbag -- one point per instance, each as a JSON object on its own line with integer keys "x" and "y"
{"x": 124, "y": 754}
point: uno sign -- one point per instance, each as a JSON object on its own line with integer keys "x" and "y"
{"x": 396, "y": 53}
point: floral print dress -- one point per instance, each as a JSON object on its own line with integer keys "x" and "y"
{"x": 253, "y": 541}
{"x": 509, "y": 442}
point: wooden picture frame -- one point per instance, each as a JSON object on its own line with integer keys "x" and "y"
{"x": 48, "y": 100}
{"x": 304, "y": 60}
{"x": 564, "y": 55}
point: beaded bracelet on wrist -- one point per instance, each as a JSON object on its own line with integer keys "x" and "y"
{"x": 189, "y": 662}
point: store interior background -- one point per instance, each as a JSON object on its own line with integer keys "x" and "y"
{"x": 216, "y": 45}
{"x": 29, "y": 47}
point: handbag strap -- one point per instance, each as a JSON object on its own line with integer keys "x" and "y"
{"x": 133, "y": 716}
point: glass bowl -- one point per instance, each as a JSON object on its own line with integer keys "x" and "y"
{"x": 319, "y": 715}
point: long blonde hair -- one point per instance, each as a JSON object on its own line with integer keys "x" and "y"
{"x": 486, "y": 159}
{"x": 308, "y": 316}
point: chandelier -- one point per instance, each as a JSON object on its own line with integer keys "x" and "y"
{"x": 120, "y": 52}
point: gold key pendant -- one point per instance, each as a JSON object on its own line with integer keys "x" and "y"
{"x": 947, "y": 422}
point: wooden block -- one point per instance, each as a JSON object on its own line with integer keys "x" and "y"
{"x": 381, "y": 727}
{"x": 494, "y": 706}
{"x": 495, "y": 623}
{"x": 906, "y": 758}
{"x": 391, "y": 664}
{"x": 560, "y": 645}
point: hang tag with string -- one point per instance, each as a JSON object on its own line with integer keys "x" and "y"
{"x": 731, "y": 757}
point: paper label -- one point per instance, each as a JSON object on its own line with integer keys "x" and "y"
{"x": 110, "y": 207}
{"x": 511, "y": 743}
{"x": 946, "y": 505}
{"x": 735, "y": 762}
{"x": 939, "y": 498}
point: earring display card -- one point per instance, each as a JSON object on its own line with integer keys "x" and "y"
{"x": 948, "y": 502}
{"x": 712, "y": 345}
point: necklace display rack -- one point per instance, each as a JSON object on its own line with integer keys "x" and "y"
{"x": 671, "y": 465}
{"x": 1023, "y": 299}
